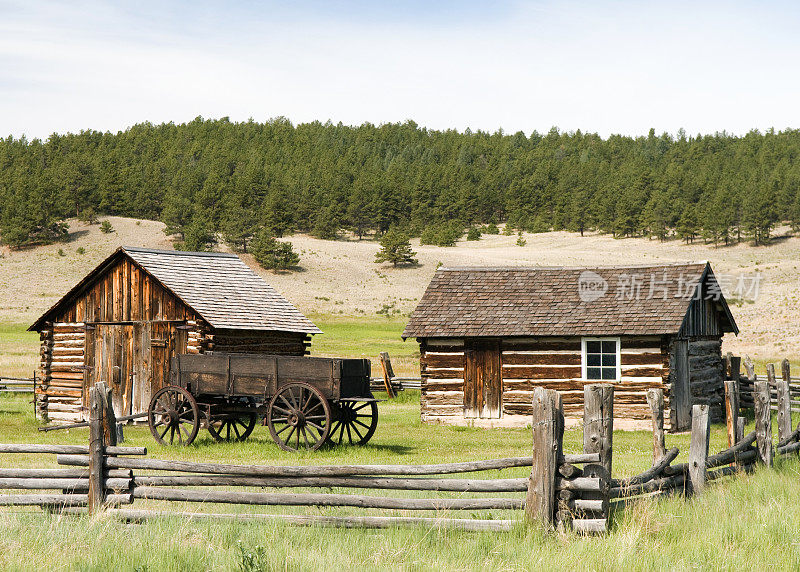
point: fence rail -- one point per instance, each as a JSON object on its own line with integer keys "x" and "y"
{"x": 17, "y": 384}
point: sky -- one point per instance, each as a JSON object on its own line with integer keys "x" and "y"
{"x": 605, "y": 66}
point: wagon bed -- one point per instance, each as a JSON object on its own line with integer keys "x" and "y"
{"x": 304, "y": 401}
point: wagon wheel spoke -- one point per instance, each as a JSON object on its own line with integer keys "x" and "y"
{"x": 281, "y": 409}
{"x": 318, "y": 404}
{"x": 165, "y": 431}
{"x": 285, "y": 427}
{"x": 360, "y": 436}
{"x": 364, "y": 425}
{"x": 289, "y": 405}
{"x": 317, "y": 427}
{"x": 360, "y": 407}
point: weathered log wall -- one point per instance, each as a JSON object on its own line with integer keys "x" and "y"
{"x": 61, "y": 372}
{"x": 258, "y": 342}
{"x": 554, "y": 363}
{"x": 706, "y": 375}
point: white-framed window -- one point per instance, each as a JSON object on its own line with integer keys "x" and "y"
{"x": 600, "y": 359}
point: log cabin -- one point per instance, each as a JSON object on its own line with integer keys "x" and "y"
{"x": 127, "y": 318}
{"x": 488, "y": 336}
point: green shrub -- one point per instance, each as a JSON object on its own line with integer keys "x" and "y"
{"x": 61, "y": 252}
{"x": 80, "y": 250}
{"x": 106, "y": 228}
{"x": 473, "y": 234}
{"x": 273, "y": 254}
{"x": 520, "y": 240}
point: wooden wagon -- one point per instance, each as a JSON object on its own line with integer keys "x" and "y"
{"x": 304, "y": 401}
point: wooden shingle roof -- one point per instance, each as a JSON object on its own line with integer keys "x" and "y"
{"x": 547, "y": 301}
{"x": 218, "y": 286}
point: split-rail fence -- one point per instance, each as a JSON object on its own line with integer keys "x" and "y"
{"x": 563, "y": 490}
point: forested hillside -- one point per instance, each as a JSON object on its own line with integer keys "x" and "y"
{"x": 217, "y": 176}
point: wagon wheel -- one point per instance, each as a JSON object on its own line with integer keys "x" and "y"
{"x": 173, "y": 416}
{"x": 356, "y": 422}
{"x": 234, "y": 426}
{"x": 299, "y": 417}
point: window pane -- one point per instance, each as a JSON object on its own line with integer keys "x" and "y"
{"x": 593, "y": 347}
{"x": 609, "y": 373}
{"x": 610, "y": 360}
{"x": 592, "y": 359}
{"x": 593, "y": 373}
{"x": 610, "y": 347}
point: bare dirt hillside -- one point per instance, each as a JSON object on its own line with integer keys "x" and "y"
{"x": 340, "y": 277}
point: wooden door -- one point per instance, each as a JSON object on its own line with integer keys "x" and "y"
{"x": 166, "y": 340}
{"x": 680, "y": 395}
{"x": 483, "y": 387}
{"x": 114, "y": 363}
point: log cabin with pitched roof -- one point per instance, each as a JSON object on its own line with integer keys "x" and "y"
{"x": 488, "y": 336}
{"x": 127, "y": 318}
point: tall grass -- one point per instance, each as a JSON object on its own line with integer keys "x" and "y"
{"x": 739, "y": 524}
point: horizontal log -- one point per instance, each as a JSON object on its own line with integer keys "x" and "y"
{"x": 325, "y": 499}
{"x": 442, "y": 360}
{"x": 585, "y": 505}
{"x": 541, "y": 372}
{"x": 391, "y": 483}
{"x": 789, "y": 449}
{"x": 541, "y": 345}
{"x": 60, "y": 500}
{"x": 318, "y": 470}
{"x": 67, "y": 449}
{"x": 590, "y": 484}
{"x": 590, "y": 525}
{"x": 541, "y": 359}
{"x": 663, "y": 483}
{"x": 58, "y": 473}
{"x": 645, "y": 358}
{"x": 377, "y": 522}
{"x": 650, "y": 473}
{"x": 44, "y": 483}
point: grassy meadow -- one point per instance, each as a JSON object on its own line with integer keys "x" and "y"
{"x": 748, "y": 522}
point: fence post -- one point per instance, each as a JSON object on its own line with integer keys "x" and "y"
{"x": 698, "y": 447}
{"x": 784, "y": 403}
{"x": 548, "y": 435}
{"x": 388, "y": 374}
{"x": 763, "y": 422}
{"x": 598, "y": 421}
{"x": 732, "y": 411}
{"x": 598, "y": 433}
{"x": 655, "y": 398}
{"x": 96, "y": 467}
{"x": 736, "y": 367}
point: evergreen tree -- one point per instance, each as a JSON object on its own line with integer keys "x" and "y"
{"x": 395, "y": 248}
{"x": 273, "y": 254}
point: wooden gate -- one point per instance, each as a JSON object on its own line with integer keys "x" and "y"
{"x": 483, "y": 386}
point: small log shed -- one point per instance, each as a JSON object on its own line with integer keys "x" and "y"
{"x": 488, "y": 336}
{"x": 127, "y": 318}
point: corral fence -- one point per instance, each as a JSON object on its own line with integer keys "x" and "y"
{"x": 18, "y": 384}
{"x": 562, "y": 490}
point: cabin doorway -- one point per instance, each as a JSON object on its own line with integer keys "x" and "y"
{"x": 482, "y": 380}
{"x": 681, "y": 392}
{"x": 114, "y": 363}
